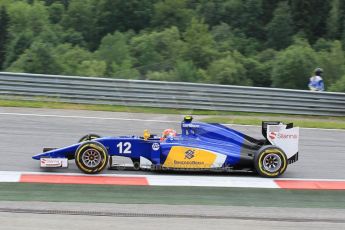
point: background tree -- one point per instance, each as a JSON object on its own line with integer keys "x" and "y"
{"x": 280, "y": 28}
{"x": 122, "y": 16}
{"x": 114, "y": 49}
{"x": 310, "y": 17}
{"x": 200, "y": 44}
{"x": 245, "y": 16}
{"x": 17, "y": 46}
{"x": 4, "y": 24}
{"x": 229, "y": 39}
{"x": 269, "y": 43}
{"x": 70, "y": 58}
{"x": 261, "y": 75}
{"x": 334, "y": 20}
{"x": 144, "y": 50}
{"x": 124, "y": 70}
{"x": 80, "y": 16}
{"x": 64, "y": 2}
{"x": 37, "y": 59}
{"x": 184, "y": 71}
{"x": 91, "y": 68}
{"x": 157, "y": 50}
{"x": 212, "y": 11}
{"x": 338, "y": 86}
{"x": 56, "y": 12}
{"x": 169, "y": 13}
{"x": 332, "y": 62}
{"x": 228, "y": 70}
{"x": 26, "y": 23}
{"x": 293, "y": 66}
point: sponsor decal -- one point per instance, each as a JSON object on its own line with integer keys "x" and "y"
{"x": 50, "y": 162}
{"x": 273, "y": 135}
{"x": 186, "y": 157}
{"x": 54, "y": 162}
{"x": 189, "y": 154}
{"x": 189, "y": 125}
{"x": 287, "y": 136}
{"x": 188, "y": 162}
{"x": 155, "y": 146}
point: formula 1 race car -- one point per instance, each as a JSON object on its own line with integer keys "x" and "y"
{"x": 200, "y": 146}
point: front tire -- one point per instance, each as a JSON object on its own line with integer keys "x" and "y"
{"x": 270, "y": 161}
{"x": 91, "y": 157}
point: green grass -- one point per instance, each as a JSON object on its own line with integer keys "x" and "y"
{"x": 213, "y": 116}
{"x": 172, "y": 195}
{"x": 110, "y": 108}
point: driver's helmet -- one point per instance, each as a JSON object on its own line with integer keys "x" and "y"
{"x": 168, "y": 133}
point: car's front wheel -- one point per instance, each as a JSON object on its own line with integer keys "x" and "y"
{"x": 91, "y": 157}
{"x": 270, "y": 161}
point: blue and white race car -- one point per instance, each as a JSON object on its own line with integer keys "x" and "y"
{"x": 200, "y": 146}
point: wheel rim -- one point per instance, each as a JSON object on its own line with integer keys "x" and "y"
{"x": 272, "y": 162}
{"x": 91, "y": 158}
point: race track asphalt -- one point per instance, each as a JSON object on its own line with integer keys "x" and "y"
{"x": 24, "y": 132}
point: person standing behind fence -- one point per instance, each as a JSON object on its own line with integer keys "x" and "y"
{"x": 316, "y": 82}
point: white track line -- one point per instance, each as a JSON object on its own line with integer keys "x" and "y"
{"x": 8, "y": 176}
{"x": 209, "y": 181}
{"x": 86, "y": 117}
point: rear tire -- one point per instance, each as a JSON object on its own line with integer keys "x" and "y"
{"x": 270, "y": 161}
{"x": 91, "y": 157}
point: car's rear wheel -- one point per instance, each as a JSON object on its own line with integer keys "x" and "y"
{"x": 89, "y": 137}
{"x": 91, "y": 157}
{"x": 270, "y": 161}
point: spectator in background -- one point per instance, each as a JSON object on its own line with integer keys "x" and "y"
{"x": 316, "y": 82}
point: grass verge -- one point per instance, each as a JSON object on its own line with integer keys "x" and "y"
{"x": 172, "y": 195}
{"x": 213, "y": 116}
{"x": 110, "y": 108}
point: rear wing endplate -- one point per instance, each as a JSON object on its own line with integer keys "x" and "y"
{"x": 284, "y": 136}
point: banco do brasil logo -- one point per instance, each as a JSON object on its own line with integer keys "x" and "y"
{"x": 189, "y": 154}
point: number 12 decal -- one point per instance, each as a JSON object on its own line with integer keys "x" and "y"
{"x": 124, "y": 147}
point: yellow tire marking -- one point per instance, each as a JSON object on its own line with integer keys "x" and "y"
{"x": 276, "y": 151}
{"x": 102, "y": 152}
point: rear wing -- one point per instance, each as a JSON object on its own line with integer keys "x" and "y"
{"x": 284, "y": 136}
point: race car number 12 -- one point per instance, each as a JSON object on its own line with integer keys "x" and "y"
{"x": 124, "y": 147}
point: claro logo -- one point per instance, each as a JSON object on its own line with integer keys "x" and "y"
{"x": 274, "y": 135}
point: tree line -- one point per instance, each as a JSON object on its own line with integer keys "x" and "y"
{"x": 264, "y": 43}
